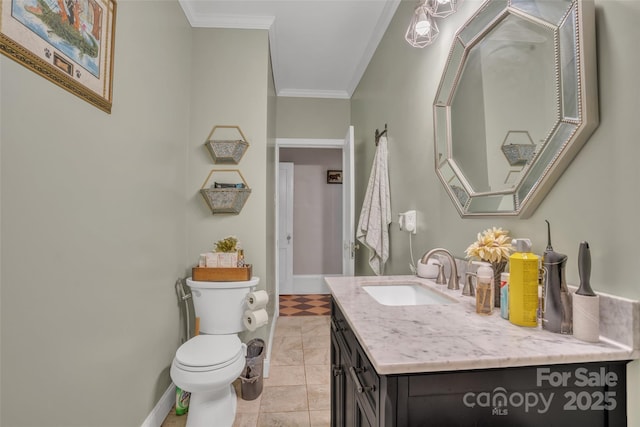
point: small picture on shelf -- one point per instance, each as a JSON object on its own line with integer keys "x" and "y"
{"x": 334, "y": 177}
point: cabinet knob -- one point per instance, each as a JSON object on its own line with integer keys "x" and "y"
{"x": 336, "y": 370}
{"x": 335, "y": 325}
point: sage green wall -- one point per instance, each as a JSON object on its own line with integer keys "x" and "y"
{"x": 93, "y": 231}
{"x": 230, "y": 86}
{"x": 319, "y": 118}
{"x": 595, "y": 199}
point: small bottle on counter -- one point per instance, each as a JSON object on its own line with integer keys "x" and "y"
{"x": 484, "y": 288}
{"x": 504, "y": 295}
{"x": 523, "y": 284}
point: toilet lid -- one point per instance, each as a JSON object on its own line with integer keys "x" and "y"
{"x": 209, "y": 351}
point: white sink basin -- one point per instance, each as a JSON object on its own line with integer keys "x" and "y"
{"x": 405, "y": 293}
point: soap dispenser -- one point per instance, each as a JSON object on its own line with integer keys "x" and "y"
{"x": 556, "y": 309}
{"x": 523, "y": 284}
{"x": 484, "y": 288}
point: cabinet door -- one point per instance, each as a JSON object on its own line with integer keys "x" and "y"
{"x": 350, "y": 409}
{"x": 362, "y": 419}
{"x": 366, "y": 382}
{"x": 337, "y": 384}
{"x": 343, "y": 389}
{"x": 340, "y": 326}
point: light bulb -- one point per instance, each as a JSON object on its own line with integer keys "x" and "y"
{"x": 422, "y": 30}
{"x": 423, "y": 25}
{"x": 442, "y": 8}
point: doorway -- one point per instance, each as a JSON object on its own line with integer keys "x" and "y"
{"x": 314, "y": 211}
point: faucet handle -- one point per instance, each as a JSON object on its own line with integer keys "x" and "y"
{"x": 469, "y": 290}
{"x": 441, "y": 279}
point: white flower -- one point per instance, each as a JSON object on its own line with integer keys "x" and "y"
{"x": 493, "y": 245}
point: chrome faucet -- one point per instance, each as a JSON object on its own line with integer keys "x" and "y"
{"x": 453, "y": 282}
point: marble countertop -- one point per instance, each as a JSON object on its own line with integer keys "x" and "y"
{"x": 431, "y": 338}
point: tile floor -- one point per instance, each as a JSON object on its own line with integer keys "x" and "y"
{"x": 305, "y": 305}
{"x": 297, "y": 392}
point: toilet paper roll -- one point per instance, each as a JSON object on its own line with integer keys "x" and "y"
{"x": 586, "y": 317}
{"x": 257, "y": 300}
{"x": 255, "y": 319}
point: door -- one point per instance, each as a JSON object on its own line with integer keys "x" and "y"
{"x": 285, "y": 228}
{"x": 348, "y": 206}
{"x": 337, "y": 383}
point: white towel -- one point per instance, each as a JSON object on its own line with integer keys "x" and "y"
{"x": 375, "y": 216}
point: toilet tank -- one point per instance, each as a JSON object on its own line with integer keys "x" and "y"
{"x": 221, "y": 305}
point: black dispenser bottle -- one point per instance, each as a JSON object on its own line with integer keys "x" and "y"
{"x": 557, "y": 309}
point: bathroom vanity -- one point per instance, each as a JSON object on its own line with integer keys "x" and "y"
{"x": 439, "y": 363}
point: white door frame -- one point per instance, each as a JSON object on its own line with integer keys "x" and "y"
{"x": 294, "y": 143}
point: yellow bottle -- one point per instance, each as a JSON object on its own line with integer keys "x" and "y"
{"x": 523, "y": 284}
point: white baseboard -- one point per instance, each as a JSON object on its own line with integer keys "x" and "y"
{"x": 311, "y": 283}
{"x": 157, "y": 416}
{"x": 267, "y": 359}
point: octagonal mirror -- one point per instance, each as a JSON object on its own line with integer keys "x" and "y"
{"x": 516, "y": 102}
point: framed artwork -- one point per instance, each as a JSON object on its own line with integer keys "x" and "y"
{"x": 334, "y": 177}
{"x": 69, "y": 42}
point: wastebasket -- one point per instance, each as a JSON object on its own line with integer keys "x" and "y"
{"x": 251, "y": 378}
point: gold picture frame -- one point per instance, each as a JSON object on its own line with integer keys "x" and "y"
{"x": 69, "y": 42}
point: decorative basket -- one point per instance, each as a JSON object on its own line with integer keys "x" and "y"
{"x": 227, "y": 199}
{"x": 518, "y": 154}
{"x": 226, "y": 151}
{"x": 203, "y": 274}
{"x": 518, "y": 147}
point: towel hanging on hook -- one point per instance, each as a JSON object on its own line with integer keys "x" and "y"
{"x": 375, "y": 216}
{"x": 380, "y": 134}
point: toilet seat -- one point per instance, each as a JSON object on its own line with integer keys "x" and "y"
{"x": 204, "y": 353}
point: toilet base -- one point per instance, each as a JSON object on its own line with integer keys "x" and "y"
{"x": 212, "y": 409}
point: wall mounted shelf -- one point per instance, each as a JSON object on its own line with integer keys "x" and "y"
{"x": 225, "y": 197}
{"x": 226, "y": 151}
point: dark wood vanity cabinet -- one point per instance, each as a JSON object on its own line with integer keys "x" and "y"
{"x": 355, "y": 384}
{"x": 343, "y": 389}
{"x": 588, "y": 394}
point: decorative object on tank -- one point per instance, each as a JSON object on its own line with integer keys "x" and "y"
{"x": 226, "y": 151}
{"x": 228, "y": 244}
{"x": 221, "y": 274}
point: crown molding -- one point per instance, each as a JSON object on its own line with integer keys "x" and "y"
{"x": 308, "y": 93}
{"x": 380, "y": 28}
{"x": 211, "y": 20}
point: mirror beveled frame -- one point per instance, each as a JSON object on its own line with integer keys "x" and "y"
{"x": 573, "y": 127}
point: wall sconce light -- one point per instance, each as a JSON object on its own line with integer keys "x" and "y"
{"x": 422, "y": 30}
{"x": 442, "y": 8}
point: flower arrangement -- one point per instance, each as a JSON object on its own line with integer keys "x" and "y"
{"x": 228, "y": 244}
{"x": 493, "y": 245}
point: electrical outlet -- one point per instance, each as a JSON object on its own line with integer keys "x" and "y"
{"x": 408, "y": 221}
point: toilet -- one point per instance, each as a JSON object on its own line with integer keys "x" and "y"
{"x": 207, "y": 364}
